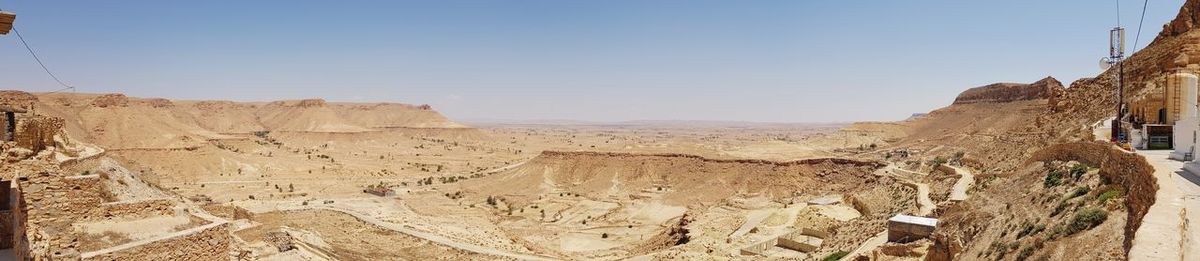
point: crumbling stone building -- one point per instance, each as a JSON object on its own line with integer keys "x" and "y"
{"x": 41, "y": 206}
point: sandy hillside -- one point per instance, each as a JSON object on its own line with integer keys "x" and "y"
{"x": 116, "y": 121}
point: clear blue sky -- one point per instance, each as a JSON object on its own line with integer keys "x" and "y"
{"x": 769, "y": 61}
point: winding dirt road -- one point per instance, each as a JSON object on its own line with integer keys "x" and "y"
{"x": 959, "y": 191}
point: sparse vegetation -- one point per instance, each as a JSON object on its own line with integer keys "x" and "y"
{"x": 1104, "y": 197}
{"x": 1029, "y": 229}
{"x": 1078, "y": 170}
{"x": 1086, "y": 219}
{"x": 1053, "y": 179}
{"x": 937, "y": 161}
{"x": 1079, "y": 191}
{"x": 835, "y": 256}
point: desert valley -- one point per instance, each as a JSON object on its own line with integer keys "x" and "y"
{"x": 1006, "y": 171}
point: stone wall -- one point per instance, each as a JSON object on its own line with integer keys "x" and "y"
{"x": 49, "y": 202}
{"x": 132, "y": 209}
{"x": 210, "y": 242}
{"x": 1127, "y": 169}
{"x": 225, "y": 211}
{"x": 6, "y": 229}
{"x": 37, "y": 132}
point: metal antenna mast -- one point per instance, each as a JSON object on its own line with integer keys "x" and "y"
{"x": 1116, "y": 54}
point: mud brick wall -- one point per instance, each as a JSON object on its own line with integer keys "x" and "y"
{"x": 211, "y": 243}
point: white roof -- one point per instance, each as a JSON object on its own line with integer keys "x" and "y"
{"x": 932, "y": 222}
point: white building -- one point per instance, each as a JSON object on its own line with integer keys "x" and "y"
{"x": 1184, "y": 135}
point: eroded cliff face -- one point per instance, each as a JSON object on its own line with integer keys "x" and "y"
{"x": 1009, "y": 92}
{"x": 1061, "y": 187}
{"x": 1045, "y": 220}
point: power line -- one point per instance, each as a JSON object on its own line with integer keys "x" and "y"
{"x": 1139, "y": 32}
{"x": 39, "y": 60}
{"x": 1118, "y": 13}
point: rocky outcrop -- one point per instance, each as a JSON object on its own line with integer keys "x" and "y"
{"x": 311, "y": 103}
{"x": 1188, "y": 18}
{"x": 1009, "y": 92}
{"x": 111, "y": 100}
{"x": 158, "y": 102}
{"x": 16, "y": 98}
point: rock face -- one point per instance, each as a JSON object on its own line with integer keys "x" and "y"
{"x": 1188, "y": 18}
{"x": 1008, "y": 92}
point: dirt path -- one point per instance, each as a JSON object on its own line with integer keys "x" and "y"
{"x": 1171, "y": 228}
{"x": 925, "y": 204}
{"x": 959, "y": 191}
{"x": 870, "y": 244}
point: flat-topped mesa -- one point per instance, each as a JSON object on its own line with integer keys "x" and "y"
{"x": 111, "y": 100}
{"x": 305, "y": 103}
{"x": 373, "y": 106}
{"x": 1010, "y": 92}
{"x": 839, "y": 161}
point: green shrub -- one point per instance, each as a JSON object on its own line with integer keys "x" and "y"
{"x": 1062, "y": 205}
{"x": 1055, "y": 232}
{"x": 1079, "y": 191}
{"x": 1104, "y": 197}
{"x": 835, "y": 256}
{"x": 1029, "y": 229}
{"x": 1078, "y": 170}
{"x": 1026, "y": 252}
{"x": 1086, "y": 219}
{"x": 937, "y": 161}
{"x": 1053, "y": 179}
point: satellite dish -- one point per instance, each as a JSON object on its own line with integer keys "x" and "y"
{"x": 1105, "y": 63}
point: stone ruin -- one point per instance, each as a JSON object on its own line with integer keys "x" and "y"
{"x": 280, "y": 239}
{"x": 41, "y": 206}
{"x": 36, "y": 133}
{"x": 47, "y": 204}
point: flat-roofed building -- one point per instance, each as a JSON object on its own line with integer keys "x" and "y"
{"x": 905, "y": 228}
